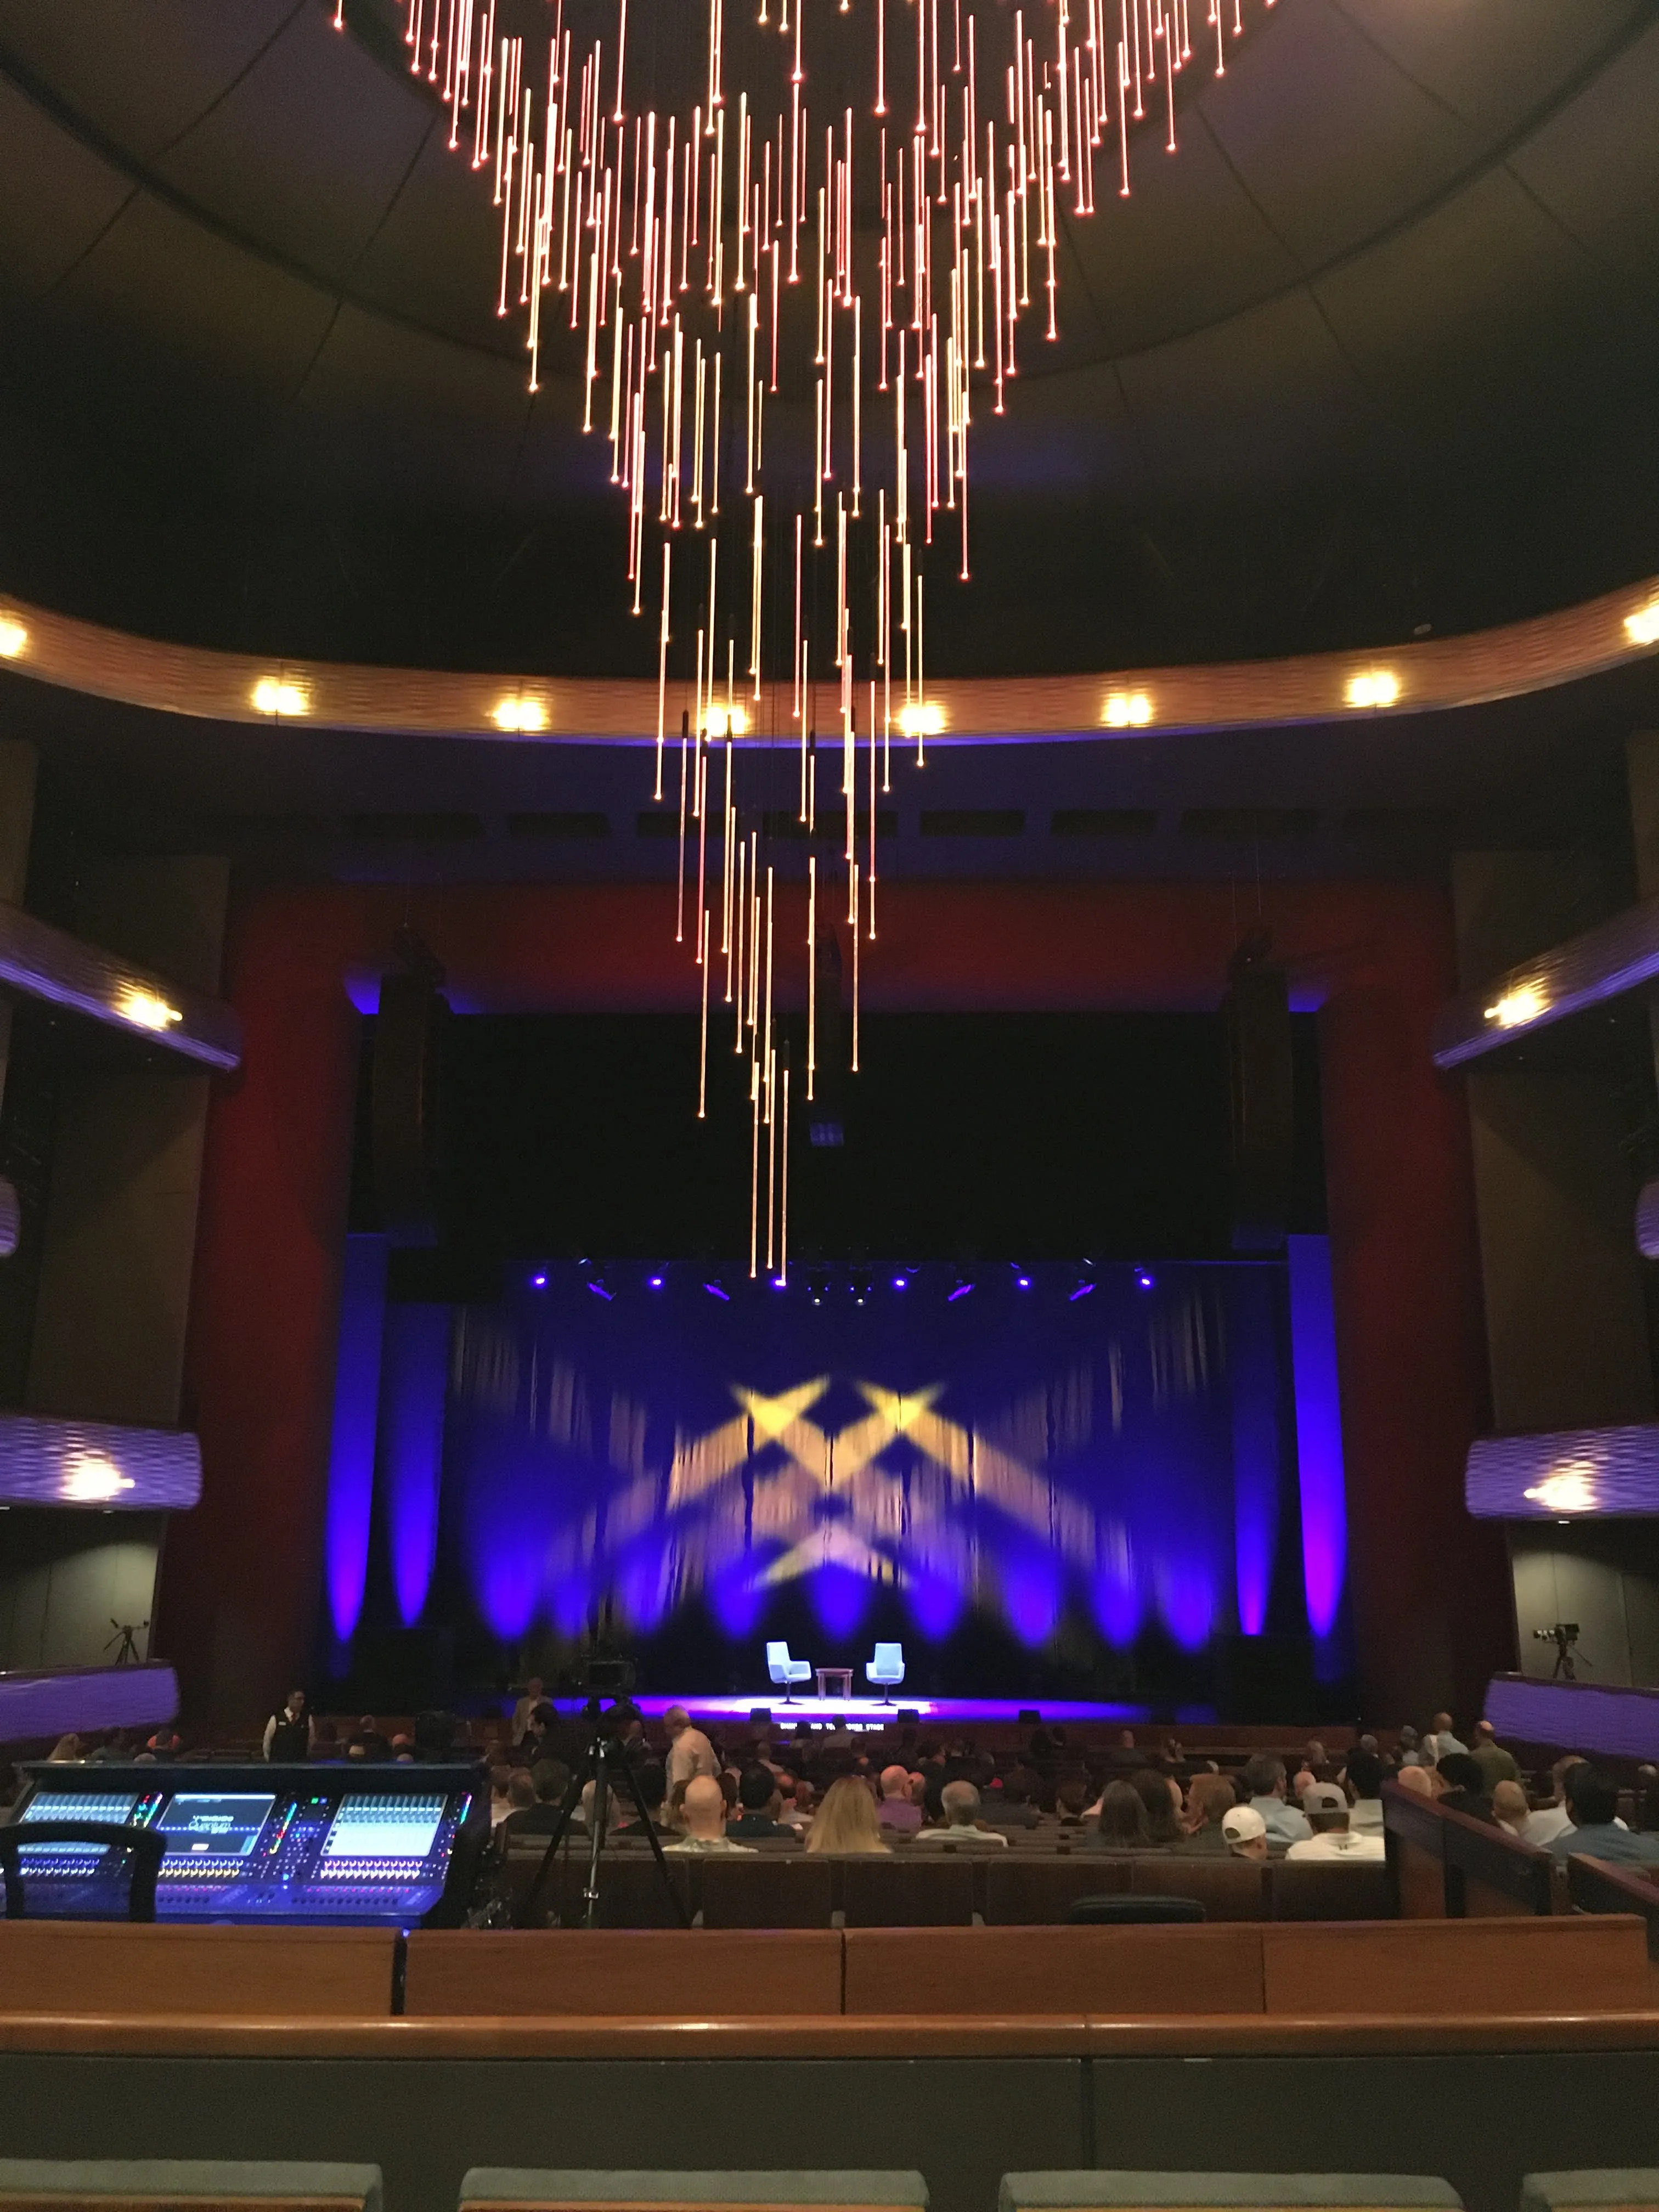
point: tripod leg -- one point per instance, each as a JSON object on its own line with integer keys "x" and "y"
{"x": 596, "y": 1840}
{"x": 529, "y": 1911}
{"x": 653, "y": 1838}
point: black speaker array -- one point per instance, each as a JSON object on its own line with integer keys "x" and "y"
{"x": 405, "y": 1105}
{"x": 1257, "y": 1011}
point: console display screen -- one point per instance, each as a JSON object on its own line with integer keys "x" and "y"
{"x": 202, "y": 1826}
{"x": 374, "y": 1828}
{"x": 72, "y": 1805}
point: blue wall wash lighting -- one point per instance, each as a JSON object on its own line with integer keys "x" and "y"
{"x": 1257, "y": 1447}
{"x": 414, "y": 1379}
{"x": 97, "y": 1464}
{"x": 351, "y": 1445}
{"x": 1319, "y": 1445}
{"x": 1068, "y": 1473}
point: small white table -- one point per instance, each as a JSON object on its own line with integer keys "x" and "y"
{"x": 840, "y": 1677}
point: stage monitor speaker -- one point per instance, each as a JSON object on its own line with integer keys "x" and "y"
{"x": 405, "y": 1083}
{"x": 760, "y": 1715}
{"x": 1030, "y": 1717}
{"x": 910, "y": 1713}
{"x": 1257, "y": 1011}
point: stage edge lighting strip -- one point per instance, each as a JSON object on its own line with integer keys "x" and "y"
{"x": 1568, "y": 1475}
{"x": 47, "y": 964}
{"x": 1428, "y": 676}
{"x": 1575, "y": 1715}
{"x": 44, "y": 1462}
{"x": 34, "y": 1707}
{"x": 1606, "y": 962}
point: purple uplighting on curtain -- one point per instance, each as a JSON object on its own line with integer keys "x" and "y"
{"x": 415, "y": 1381}
{"x": 1254, "y": 1374}
{"x": 351, "y": 1445}
{"x": 1319, "y": 1444}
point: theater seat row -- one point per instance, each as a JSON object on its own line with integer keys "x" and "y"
{"x": 193, "y": 2186}
{"x": 1003, "y": 1890}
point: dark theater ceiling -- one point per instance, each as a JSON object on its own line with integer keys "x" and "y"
{"x": 1375, "y": 356}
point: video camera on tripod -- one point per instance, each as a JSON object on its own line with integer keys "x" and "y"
{"x": 606, "y": 1764}
{"x": 1564, "y": 1636}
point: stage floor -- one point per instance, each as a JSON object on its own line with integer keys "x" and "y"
{"x": 869, "y": 1713}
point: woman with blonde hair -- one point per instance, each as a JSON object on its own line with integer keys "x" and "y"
{"x": 847, "y": 1821}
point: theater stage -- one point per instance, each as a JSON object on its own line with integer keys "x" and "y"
{"x": 869, "y": 1712}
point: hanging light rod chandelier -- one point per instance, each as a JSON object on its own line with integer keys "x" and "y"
{"x": 789, "y": 253}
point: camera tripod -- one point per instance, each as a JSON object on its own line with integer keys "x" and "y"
{"x": 604, "y": 1764}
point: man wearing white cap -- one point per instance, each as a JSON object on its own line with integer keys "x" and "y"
{"x": 1246, "y": 1832}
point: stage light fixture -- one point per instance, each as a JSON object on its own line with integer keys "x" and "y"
{"x": 962, "y": 1289}
{"x": 653, "y": 1282}
{"x": 538, "y": 1282}
{"x": 519, "y": 716}
{"x": 13, "y": 637}
{"x": 1081, "y": 1290}
{"x": 901, "y": 1282}
{"x": 598, "y": 1289}
{"x": 1144, "y": 1279}
{"x": 1127, "y": 710}
{"x": 716, "y": 1291}
{"x": 1022, "y": 1280}
{"x": 1372, "y": 686}
{"x": 1518, "y": 1007}
{"x": 145, "y": 1010}
{"x": 277, "y": 696}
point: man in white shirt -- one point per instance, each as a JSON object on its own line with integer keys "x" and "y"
{"x": 959, "y": 1800}
{"x": 1341, "y": 1844}
{"x": 1446, "y": 1745}
{"x": 689, "y": 1752}
{"x": 1264, "y": 1785}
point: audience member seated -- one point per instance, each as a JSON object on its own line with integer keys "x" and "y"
{"x": 1011, "y": 1807}
{"x": 549, "y": 1781}
{"x": 1209, "y": 1800}
{"x": 1340, "y": 1841}
{"x": 520, "y": 1803}
{"x": 702, "y": 1810}
{"x": 366, "y": 1742}
{"x": 1465, "y": 1790}
{"x": 501, "y": 1774}
{"x": 959, "y": 1809}
{"x": 1364, "y": 1780}
{"x": 1120, "y": 1823}
{"x": 1596, "y": 1830}
{"x": 1246, "y": 1831}
{"x": 1496, "y": 1764}
{"x": 898, "y": 1811}
{"x": 1162, "y": 1799}
{"x": 1072, "y": 1803}
{"x": 760, "y": 1801}
{"x": 1553, "y": 1820}
{"x": 1509, "y": 1809}
{"x": 1446, "y": 1745}
{"x": 846, "y": 1821}
{"x": 1416, "y": 1779}
{"x": 799, "y": 1807}
{"x": 1264, "y": 1789}
{"x": 652, "y": 1779}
